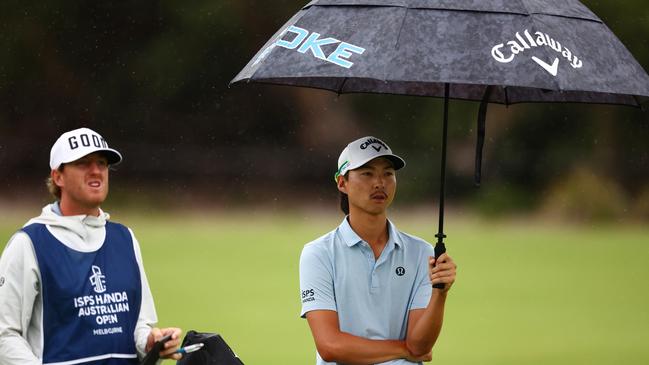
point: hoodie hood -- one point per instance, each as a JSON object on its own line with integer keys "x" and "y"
{"x": 80, "y": 232}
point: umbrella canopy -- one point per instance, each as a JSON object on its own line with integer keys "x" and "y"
{"x": 528, "y": 50}
{"x": 498, "y": 51}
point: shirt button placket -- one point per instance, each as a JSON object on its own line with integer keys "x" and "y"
{"x": 371, "y": 262}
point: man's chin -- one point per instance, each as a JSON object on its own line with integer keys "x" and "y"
{"x": 376, "y": 211}
{"x": 96, "y": 200}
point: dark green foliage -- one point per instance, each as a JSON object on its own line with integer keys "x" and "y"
{"x": 153, "y": 78}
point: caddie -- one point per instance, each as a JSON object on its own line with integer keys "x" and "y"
{"x": 72, "y": 284}
{"x": 366, "y": 287}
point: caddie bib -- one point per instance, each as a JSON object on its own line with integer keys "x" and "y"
{"x": 91, "y": 300}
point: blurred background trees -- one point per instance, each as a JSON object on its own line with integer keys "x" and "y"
{"x": 152, "y": 77}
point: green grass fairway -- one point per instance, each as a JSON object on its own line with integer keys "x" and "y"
{"x": 527, "y": 292}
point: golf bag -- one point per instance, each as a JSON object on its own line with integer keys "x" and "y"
{"x": 214, "y": 351}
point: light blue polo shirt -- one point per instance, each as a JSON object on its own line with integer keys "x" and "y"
{"x": 338, "y": 272}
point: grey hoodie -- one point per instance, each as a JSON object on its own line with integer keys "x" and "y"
{"x": 21, "y": 305}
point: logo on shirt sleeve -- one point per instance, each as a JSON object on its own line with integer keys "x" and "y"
{"x": 308, "y": 295}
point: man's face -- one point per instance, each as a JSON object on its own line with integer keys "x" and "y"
{"x": 371, "y": 187}
{"x": 84, "y": 182}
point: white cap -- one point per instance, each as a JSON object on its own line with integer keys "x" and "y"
{"x": 363, "y": 150}
{"x": 75, "y": 144}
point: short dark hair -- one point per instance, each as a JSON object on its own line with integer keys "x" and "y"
{"x": 54, "y": 189}
{"x": 344, "y": 203}
{"x": 344, "y": 199}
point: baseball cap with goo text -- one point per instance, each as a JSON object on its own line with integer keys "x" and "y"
{"x": 78, "y": 143}
{"x": 363, "y": 150}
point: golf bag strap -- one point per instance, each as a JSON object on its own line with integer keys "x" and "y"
{"x": 482, "y": 116}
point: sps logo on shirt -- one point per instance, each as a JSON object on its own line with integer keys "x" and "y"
{"x": 308, "y": 295}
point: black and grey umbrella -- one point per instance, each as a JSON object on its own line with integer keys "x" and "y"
{"x": 498, "y": 51}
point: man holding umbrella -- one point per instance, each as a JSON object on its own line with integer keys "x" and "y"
{"x": 366, "y": 287}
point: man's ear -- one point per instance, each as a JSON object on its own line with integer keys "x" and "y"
{"x": 342, "y": 184}
{"x": 57, "y": 177}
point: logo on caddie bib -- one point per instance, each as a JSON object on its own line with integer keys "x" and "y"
{"x": 104, "y": 307}
{"x": 97, "y": 279}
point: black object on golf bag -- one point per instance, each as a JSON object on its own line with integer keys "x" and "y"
{"x": 214, "y": 351}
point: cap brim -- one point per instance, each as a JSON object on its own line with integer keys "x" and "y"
{"x": 112, "y": 156}
{"x": 397, "y": 162}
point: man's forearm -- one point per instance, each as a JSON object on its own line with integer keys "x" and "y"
{"x": 422, "y": 336}
{"x": 350, "y": 349}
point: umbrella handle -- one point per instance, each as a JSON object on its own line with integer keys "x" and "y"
{"x": 440, "y": 248}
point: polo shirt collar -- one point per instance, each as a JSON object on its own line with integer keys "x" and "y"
{"x": 394, "y": 236}
{"x": 351, "y": 238}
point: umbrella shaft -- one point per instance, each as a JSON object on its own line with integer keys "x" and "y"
{"x": 440, "y": 234}
{"x": 440, "y": 248}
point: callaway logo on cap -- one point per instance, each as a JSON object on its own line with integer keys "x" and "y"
{"x": 75, "y": 144}
{"x": 363, "y": 150}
